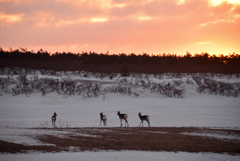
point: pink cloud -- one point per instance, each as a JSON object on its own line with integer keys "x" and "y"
{"x": 120, "y": 26}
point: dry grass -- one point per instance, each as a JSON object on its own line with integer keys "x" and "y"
{"x": 141, "y": 139}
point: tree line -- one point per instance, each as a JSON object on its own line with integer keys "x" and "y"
{"x": 122, "y": 62}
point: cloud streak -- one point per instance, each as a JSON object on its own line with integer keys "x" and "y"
{"x": 157, "y": 26}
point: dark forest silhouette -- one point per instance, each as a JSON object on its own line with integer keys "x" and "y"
{"x": 120, "y": 63}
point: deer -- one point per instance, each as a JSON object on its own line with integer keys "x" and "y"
{"x": 103, "y": 118}
{"x": 123, "y": 117}
{"x": 54, "y": 118}
{"x": 144, "y": 118}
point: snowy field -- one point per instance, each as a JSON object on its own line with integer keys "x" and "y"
{"x": 123, "y": 156}
{"x": 18, "y": 113}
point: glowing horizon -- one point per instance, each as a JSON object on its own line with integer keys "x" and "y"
{"x": 122, "y": 26}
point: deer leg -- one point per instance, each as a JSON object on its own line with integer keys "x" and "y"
{"x": 126, "y": 122}
{"x": 148, "y": 123}
{"x": 121, "y": 122}
{"x": 140, "y": 123}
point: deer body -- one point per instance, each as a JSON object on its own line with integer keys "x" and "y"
{"x": 54, "y": 118}
{"x": 144, "y": 118}
{"x": 103, "y": 118}
{"x": 123, "y": 117}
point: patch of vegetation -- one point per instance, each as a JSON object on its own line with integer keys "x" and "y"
{"x": 24, "y": 81}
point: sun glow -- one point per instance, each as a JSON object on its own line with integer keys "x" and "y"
{"x": 98, "y": 19}
{"x": 218, "y": 2}
{"x": 10, "y": 18}
{"x": 180, "y": 2}
{"x": 143, "y": 18}
{"x": 122, "y": 5}
{"x": 203, "y": 43}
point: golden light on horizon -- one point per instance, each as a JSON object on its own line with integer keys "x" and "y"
{"x": 203, "y": 43}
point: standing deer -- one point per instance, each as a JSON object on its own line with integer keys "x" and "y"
{"x": 123, "y": 117}
{"x": 103, "y": 118}
{"x": 54, "y": 118}
{"x": 144, "y": 118}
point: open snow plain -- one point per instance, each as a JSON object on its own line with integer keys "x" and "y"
{"x": 21, "y": 113}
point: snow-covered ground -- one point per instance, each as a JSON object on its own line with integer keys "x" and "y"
{"x": 123, "y": 156}
{"x": 17, "y": 113}
{"x": 201, "y": 110}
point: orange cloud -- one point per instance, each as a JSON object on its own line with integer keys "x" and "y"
{"x": 152, "y": 26}
{"x": 10, "y": 18}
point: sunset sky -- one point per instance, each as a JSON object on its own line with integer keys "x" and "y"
{"x": 122, "y": 26}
